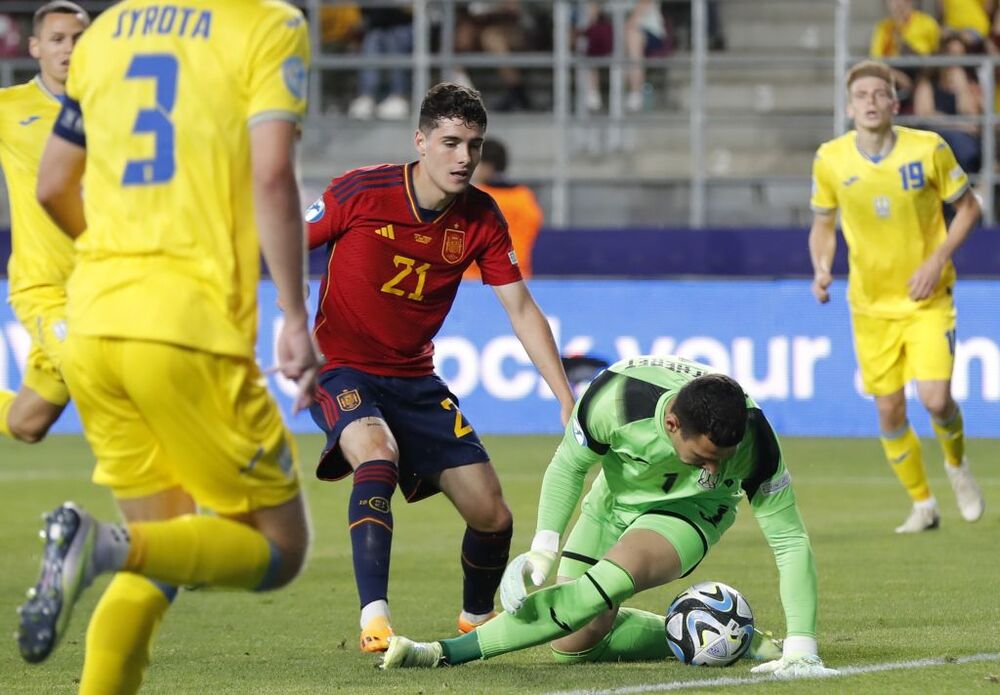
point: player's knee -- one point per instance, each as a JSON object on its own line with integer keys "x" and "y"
{"x": 939, "y": 405}
{"x": 291, "y": 560}
{"x": 289, "y": 548}
{"x": 492, "y": 517}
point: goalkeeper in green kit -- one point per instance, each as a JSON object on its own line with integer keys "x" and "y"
{"x": 678, "y": 445}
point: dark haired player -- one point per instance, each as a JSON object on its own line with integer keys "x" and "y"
{"x": 399, "y": 238}
{"x": 678, "y": 447}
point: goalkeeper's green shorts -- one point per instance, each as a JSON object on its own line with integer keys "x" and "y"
{"x": 691, "y": 527}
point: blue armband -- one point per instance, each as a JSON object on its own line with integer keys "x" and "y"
{"x": 69, "y": 124}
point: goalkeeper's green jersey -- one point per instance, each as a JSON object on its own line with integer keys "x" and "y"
{"x": 619, "y": 422}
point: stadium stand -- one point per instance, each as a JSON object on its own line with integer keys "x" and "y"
{"x": 727, "y": 140}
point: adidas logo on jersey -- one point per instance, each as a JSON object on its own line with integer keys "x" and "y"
{"x": 386, "y": 231}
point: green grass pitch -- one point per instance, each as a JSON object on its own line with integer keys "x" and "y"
{"x": 883, "y": 598}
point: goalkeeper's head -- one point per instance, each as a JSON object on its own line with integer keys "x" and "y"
{"x": 707, "y": 420}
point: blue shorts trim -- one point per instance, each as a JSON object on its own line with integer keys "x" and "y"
{"x": 423, "y": 415}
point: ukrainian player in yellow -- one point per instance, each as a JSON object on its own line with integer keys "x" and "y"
{"x": 180, "y": 124}
{"x": 42, "y": 255}
{"x": 889, "y": 184}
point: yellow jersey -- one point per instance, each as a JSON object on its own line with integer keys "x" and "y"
{"x": 162, "y": 96}
{"x": 921, "y": 34}
{"x": 42, "y": 254}
{"x": 963, "y": 15}
{"x": 891, "y": 215}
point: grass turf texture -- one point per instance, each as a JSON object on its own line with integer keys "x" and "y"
{"x": 883, "y": 598}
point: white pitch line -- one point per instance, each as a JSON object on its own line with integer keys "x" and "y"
{"x": 751, "y": 680}
{"x": 36, "y": 475}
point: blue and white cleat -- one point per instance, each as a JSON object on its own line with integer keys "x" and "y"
{"x": 405, "y": 653}
{"x": 67, "y": 569}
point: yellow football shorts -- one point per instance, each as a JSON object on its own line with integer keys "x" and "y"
{"x": 42, "y": 312}
{"x": 159, "y": 416}
{"x": 891, "y": 352}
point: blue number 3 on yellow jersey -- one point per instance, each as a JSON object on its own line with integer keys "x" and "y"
{"x": 162, "y": 68}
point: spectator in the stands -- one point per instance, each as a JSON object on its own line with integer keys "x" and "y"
{"x": 388, "y": 31}
{"x": 498, "y": 28}
{"x": 339, "y": 27}
{"x": 952, "y": 91}
{"x": 905, "y": 32}
{"x": 645, "y": 35}
{"x": 516, "y": 201}
{"x": 678, "y": 16}
{"x": 968, "y": 20}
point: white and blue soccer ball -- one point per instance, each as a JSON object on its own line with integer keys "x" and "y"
{"x": 710, "y": 624}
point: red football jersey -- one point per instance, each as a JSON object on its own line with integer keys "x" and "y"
{"x": 390, "y": 277}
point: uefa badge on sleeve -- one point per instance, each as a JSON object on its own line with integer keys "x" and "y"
{"x": 315, "y": 212}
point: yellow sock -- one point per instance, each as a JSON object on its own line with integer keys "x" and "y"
{"x": 6, "y": 401}
{"x": 120, "y": 635}
{"x": 196, "y": 549}
{"x": 951, "y": 436}
{"x": 902, "y": 449}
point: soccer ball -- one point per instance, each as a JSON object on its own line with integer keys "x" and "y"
{"x": 710, "y": 624}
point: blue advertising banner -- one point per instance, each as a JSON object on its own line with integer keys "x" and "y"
{"x": 794, "y": 356}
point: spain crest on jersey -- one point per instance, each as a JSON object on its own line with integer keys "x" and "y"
{"x": 453, "y": 247}
{"x": 349, "y": 400}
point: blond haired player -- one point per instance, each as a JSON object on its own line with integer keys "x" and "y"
{"x": 889, "y": 183}
{"x": 180, "y": 123}
{"x": 42, "y": 255}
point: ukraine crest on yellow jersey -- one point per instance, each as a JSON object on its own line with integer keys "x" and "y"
{"x": 165, "y": 94}
{"x": 891, "y": 214}
{"x": 43, "y": 255}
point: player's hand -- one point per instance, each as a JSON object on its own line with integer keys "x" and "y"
{"x": 821, "y": 283}
{"x": 926, "y": 278}
{"x": 534, "y": 564}
{"x": 796, "y": 666}
{"x": 298, "y": 358}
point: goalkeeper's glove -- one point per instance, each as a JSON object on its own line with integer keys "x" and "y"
{"x": 536, "y": 563}
{"x": 799, "y": 660}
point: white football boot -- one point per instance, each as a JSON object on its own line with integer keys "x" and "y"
{"x": 405, "y": 653}
{"x": 967, "y": 492}
{"x": 923, "y": 517}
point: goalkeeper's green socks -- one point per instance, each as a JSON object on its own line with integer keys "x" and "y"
{"x": 546, "y": 615}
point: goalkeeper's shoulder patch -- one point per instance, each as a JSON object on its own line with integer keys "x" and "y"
{"x": 581, "y": 428}
{"x": 766, "y": 455}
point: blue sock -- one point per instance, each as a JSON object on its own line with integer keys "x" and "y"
{"x": 370, "y": 519}
{"x": 484, "y": 557}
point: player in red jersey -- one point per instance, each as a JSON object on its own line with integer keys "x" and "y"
{"x": 399, "y": 239}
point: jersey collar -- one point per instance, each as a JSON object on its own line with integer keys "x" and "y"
{"x": 876, "y": 159}
{"x": 411, "y": 196}
{"x": 40, "y": 83}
